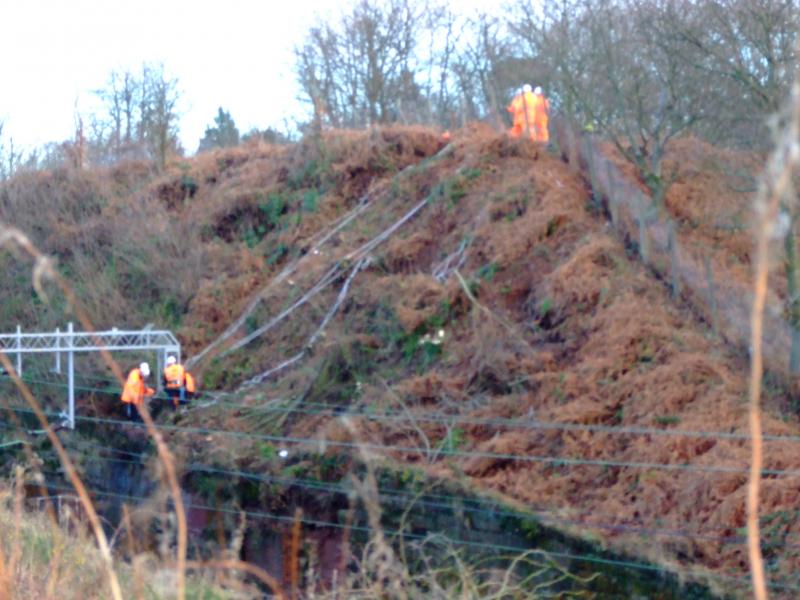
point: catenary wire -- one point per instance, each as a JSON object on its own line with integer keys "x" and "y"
{"x": 464, "y": 503}
{"x": 744, "y": 581}
{"x": 525, "y": 458}
{"x": 447, "y": 419}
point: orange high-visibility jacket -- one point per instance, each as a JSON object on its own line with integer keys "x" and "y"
{"x": 541, "y": 107}
{"x": 523, "y": 109}
{"x": 541, "y": 110}
{"x": 190, "y": 387}
{"x": 174, "y": 377}
{"x": 135, "y": 389}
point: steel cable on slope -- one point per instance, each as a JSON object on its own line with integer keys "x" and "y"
{"x": 733, "y": 579}
{"x": 338, "y": 225}
{"x": 445, "y": 418}
{"x": 333, "y": 273}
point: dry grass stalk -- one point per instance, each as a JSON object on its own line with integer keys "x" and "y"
{"x": 344, "y": 558}
{"x": 775, "y": 187}
{"x": 5, "y": 576}
{"x": 33, "y": 462}
{"x": 238, "y": 565}
{"x": 380, "y": 558}
{"x": 294, "y": 553}
{"x": 72, "y": 474}
{"x": 54, "y": 578}
{"x": 138, "y": 583}
{"x": 126, "y": 519}
{"x": 430, "y": 454}
{"x": 168, "y": 463}
{"x": 44, "y": 268}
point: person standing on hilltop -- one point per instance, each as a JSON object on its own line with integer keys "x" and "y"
{"x": 135, "y": 390}
{"x": 523, "y": 115}
{"x": 541, "y": 112}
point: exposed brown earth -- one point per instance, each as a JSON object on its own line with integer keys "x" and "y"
{"x": 562, "y": 324}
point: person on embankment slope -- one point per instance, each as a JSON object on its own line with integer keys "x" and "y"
{"x": 135, "y": 390}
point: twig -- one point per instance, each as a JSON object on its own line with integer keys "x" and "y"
{"x": 775, "y": 185}
{"x": 239, "y": 565}
{"x": 444, "y": 269}
{"x": 430, "y": 457}
{"x": 72, "y": 474}
{"x": 294, "y": 552}
{"x": 509, "y": 327}
{"x": 44, "y": 268}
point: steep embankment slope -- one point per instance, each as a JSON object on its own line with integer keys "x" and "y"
{"x": 450, "y": 300}
{"x": 565, "y": 327}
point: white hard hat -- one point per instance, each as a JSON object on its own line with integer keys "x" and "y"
{"x": 538, "y": 90}
{"x": 171, "y": 360}
{"x": 526, "y": 87}
{"x": 144, "y": 369}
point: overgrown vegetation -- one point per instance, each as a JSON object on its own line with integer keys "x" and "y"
{"x": 330, "y": 273}
{"x": 42, "y": 559}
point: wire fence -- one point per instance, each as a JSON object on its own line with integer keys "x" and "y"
{"x": 719, "y": 299}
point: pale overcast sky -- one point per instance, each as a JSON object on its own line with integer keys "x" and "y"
{"x": 236, "y": 54}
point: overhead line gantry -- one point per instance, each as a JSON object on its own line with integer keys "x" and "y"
{"x": 69, "y": 342}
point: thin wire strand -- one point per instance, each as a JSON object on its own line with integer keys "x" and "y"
{"x": 448, "y": 419}
{"x": 558, "y": 461}
{"x": 458, "y": 542}
{"x": 529, "y": 458}
{"x": 465, "y": 503}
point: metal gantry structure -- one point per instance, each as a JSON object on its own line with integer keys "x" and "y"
{"x": 69, "y": 342}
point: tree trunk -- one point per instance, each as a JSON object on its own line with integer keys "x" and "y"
{"x": 793, "y": 300}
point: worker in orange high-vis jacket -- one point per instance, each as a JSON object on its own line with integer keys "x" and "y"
{"x": 541, "y": 113}
{"x": 177, "y": 381}
{"x": 191, "y": 388}
{"x": 522, "y": 109}
{"x": 135, "y": 390}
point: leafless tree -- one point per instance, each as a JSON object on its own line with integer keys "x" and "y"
{"x": 140, "y": 117}
{"x": 11, "y": 157}
{"x": 747, "y": 48}
{"x": 614, "y": 64}
{"x": 479, "y": 68}
{"x": 364, "y": 69}
{"x": 158, "y": 127}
